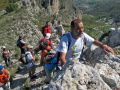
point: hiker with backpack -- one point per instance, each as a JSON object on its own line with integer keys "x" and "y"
{"x": 45, "y": 45}
{"x": 22, "y": 45}
{"x": 30, "y": 61}
{"x": 6, "y": 56}
{"x": 4, "y": 78}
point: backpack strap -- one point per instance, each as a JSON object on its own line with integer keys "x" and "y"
{"x": 69, "y": 42}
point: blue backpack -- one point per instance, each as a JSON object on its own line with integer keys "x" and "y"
{"x": 54, "y": 60}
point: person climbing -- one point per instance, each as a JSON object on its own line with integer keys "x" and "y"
{"x": 4, "y": 78}
{"x": 77, "y": 39}
{"x": 46, "y": 30}
{"x": 22, "y": 45}
{"x": 30, "y": 61}
{"x": 6, "y": 56}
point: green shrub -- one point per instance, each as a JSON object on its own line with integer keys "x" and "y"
{"x": 3, "y": 4}
{"x": 13, "y": 1}
{"x": 17, "y": 52}
{"x": 11, "y": 7}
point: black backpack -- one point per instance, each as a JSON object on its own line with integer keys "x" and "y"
{"x": 18, "y": 43}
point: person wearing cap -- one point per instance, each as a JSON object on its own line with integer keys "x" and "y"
{"x": 6, "y": 56}
{"x": 30, "y": 58}
{"x": 4, "y": 78}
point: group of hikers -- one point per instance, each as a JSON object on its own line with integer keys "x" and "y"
{"x": 69, "y": 48}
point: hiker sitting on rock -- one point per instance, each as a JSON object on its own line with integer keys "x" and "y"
{"x": 4, "y": 78}
{"x": 6, "y": 56}
{"x": 30, "y": 58}
{"x": 71, "y": 48}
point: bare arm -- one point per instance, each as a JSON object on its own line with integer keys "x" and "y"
{"x": 62, "y": 58}
{"x": 105, "y": 47}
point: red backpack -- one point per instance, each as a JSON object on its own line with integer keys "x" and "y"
{"x": 43, "y": 43}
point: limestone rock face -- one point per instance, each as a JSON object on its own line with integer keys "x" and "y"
{"x": 79, "y": 77}
{"x": 52, "y": 6}
{"x": 114, "y": 37}
{"x": 101, "y": 72}
{"x": 55, "y": 6}
{"x": 107, "y": 65}
{"x": 31, "y": 5}
{"x": 109, "y": 75}
{"x": 29, "y": 2}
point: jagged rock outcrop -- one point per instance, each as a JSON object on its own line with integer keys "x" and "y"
{"x": 52, "y": 6}
{"x": 99, "y": 72}
{"x": 58, "y": 8}
{"x": 79, "y": 77}
{"x": 55, "y": 7}
{"x": 49, "y": 7}
{"x": 31, "y": 5}
{"x": 114, "y": 37}
{"x": 107, "y": 65}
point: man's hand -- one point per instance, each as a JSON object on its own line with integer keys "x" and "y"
{"x": 105, "y": 47}
{"x": 108, "y": 49}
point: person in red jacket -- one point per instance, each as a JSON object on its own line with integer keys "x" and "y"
{"x": 45, "y": 45}
{"x": 46, "y": 30}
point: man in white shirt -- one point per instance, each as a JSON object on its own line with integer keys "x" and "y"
{"x": 78, "y": 38}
